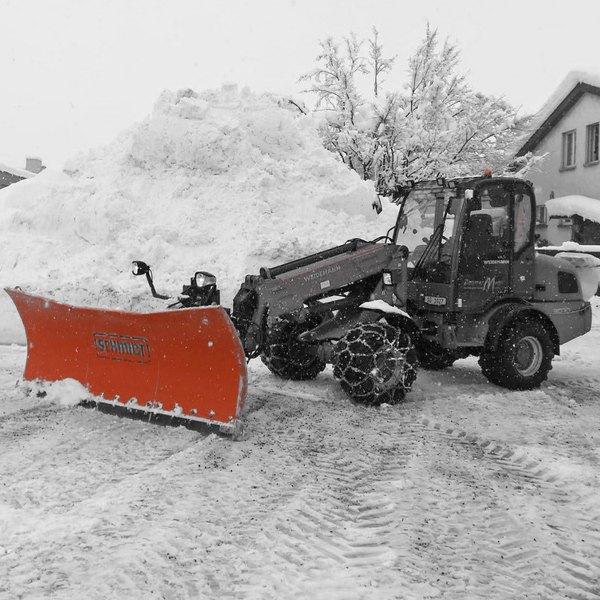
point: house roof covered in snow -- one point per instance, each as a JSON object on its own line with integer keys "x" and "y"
{"x": 16, "y": 172}
{"x": 566, "y": 95}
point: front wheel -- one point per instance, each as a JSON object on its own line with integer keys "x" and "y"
{"x": 375, "y": 363}
{"x": 523, "y": 357}
{"x": 288, "y": 357}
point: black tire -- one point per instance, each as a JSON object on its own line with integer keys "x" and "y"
{"x": 286, "y": 356}
{"x": 433, "y": 357}
{"x": 523, "y": 358}
{"x": 375, "y": 363}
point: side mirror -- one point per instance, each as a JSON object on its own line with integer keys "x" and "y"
{"x": 139, "y": 268}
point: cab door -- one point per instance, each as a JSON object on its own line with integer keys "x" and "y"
{"x": 523, "y": 247}
{"x": 485, "y": 261}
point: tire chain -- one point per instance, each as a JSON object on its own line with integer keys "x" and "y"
{"x": 356, "y": 363}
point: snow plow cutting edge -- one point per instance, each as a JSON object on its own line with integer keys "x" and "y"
{"x": 187, "y": 364}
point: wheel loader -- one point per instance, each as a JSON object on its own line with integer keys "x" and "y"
{"x": 374, "y": 310}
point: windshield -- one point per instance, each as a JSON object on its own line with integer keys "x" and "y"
{"x": 433, "y": 210}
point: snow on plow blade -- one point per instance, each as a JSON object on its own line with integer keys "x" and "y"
{"x": 186, "y": 363}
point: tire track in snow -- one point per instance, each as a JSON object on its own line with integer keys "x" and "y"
{"x": 572, "y": 524}
{"x": 515, "y": 551}
{"x": 458, "y": 531}
{"x": 66, "y": 477}
{"x": 110, "y": 525}
{"x": 367, "y": 503}
{"x": 582, "y": 390}
{"x": 60, "y": 455}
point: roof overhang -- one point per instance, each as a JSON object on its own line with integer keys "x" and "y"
{"x": 557, "y": 114}
{"x": 16, "y": 172}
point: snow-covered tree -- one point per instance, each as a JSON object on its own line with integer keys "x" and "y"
{"x": 334, "y": 84}
{"x": 520, "y": 166}
{"x": 377, "y": 62}
{"x": 435, "y": 125}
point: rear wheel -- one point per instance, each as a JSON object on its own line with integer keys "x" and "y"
{"x": 523, "y": 357}
{"x": 286, "y": 356}
{"x": 432, "y": 356}
{"x": 375, "y": 363}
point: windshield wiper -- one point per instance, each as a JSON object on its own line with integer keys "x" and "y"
{"x": 429, "y": 250}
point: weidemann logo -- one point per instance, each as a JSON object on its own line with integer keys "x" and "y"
{"x": 122, "y": 347}
{"x": 324, "y": 272}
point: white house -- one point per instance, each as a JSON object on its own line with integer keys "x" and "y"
{"x": 567, "y": 130}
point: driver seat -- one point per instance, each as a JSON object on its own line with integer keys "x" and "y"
{"x": 478, "y": 240}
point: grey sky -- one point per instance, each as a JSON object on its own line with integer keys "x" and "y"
{"x": 76, "y": 72}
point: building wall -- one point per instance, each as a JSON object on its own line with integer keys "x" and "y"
{"x": 581, "y": 180}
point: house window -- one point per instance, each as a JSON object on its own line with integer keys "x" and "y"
{"x": 568, "y": 149}
{"x": 541, "y": 215}
{"x": 591, "y": 144}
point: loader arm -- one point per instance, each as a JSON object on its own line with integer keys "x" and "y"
{"x": 354, "y": 271}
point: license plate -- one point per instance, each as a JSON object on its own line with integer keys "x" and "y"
{"x": 435, "y": 300}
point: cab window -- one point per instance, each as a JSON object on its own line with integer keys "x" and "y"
{"x": 522, "y": 220}
{"x": 495, "y": 208}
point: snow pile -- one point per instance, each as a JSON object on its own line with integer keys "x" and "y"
{"x": 567, "y": 206}
{"x": 580, "y": 259}
{"x": 225, "y": 181}
{"x": 65, "y": 393}
{"x": 570, "y": 246}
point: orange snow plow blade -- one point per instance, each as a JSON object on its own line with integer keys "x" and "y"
{"x": 187, "y": 363}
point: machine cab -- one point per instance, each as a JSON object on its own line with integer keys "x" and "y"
{"x": 481, "y": 247}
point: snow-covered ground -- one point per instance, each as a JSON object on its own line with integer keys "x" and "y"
{"x": 465, "y": 490}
